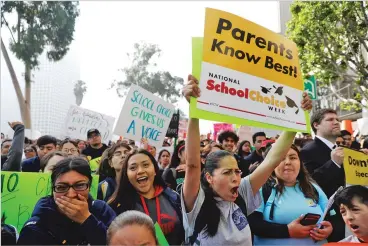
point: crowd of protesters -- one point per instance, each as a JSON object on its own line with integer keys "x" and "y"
{"x": 200, "y": 192}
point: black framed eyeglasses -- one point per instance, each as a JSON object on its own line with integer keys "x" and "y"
{"x": 63, "y": 188}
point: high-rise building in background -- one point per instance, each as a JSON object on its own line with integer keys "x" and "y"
{"x": 51, "y": 90}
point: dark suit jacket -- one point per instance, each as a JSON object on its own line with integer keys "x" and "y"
{"x": 316, "y": 157}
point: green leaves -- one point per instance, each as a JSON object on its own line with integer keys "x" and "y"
{"x": 332, "y": 38}
{"x": 144, "y": 73}
{"x": 40, "y": 26}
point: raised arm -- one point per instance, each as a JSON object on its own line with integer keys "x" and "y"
{"x": 13, "y": 163}
{"x": 193, "y": 168}
{"x": 276, "y": 154}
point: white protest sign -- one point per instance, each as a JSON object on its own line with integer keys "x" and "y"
{"x": 363, "y": 126}
{"x": 80, "y": 120}
{"x": 144, "y": 115}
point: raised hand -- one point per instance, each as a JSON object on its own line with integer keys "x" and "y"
{"x": 306, "y": 103}
{"x": 191, "y": 89}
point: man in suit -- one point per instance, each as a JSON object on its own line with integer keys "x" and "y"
{"x": 324, "y": 161}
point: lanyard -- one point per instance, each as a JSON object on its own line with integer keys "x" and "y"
{"x": 158, "y": 210}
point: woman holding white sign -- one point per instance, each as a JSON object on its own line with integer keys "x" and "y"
{"x": 216, "y": 204}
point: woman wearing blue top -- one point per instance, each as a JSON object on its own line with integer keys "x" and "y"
{"x": 292, "y": 193}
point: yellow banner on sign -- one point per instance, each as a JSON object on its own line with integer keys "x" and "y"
{"x": 244, "y": 46}
{"x": 356, "y": 167}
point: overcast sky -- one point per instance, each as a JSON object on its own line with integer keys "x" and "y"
{"x": 106, "y": 31}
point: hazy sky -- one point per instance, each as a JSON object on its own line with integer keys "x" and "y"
{"x": 106, "y": 32}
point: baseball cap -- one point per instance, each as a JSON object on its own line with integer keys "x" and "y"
{"x": 90, "y": 131}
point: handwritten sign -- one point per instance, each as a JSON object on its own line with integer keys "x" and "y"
{"x": 80, "y": 120}
{"x": 173, "y": 130}
{"x": 21, "y": 191}
{"x": 144, "y": 115}
{"x": 248, "y": 74}
{"x": 355, "y": 167}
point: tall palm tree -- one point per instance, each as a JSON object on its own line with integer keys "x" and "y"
{"x": 80, "y": 89}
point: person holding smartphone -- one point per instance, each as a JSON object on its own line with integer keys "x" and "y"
{"x": 291, "y": 207}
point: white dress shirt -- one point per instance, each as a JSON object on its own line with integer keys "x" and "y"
{"x": 330, "y": 145}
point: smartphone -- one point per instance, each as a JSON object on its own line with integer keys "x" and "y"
{"x": 310, "y": 219}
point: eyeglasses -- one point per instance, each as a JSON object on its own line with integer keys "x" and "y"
{"x": 63, "y": 188}
{"x": 28, "y": 150}
{"x": 94, "y": 136}
{"x": 70, "y": 150}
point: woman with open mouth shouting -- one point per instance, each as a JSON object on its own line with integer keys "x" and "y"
{"x": 142, "y": 188}
{"x": 216, "y": 204}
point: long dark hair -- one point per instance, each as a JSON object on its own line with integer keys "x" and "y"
{"x": 240, "y": 149}
{"x": 105, "y": 167}
{"x": 304, "y": 178}
{"x": 211, "y": 212}
{"x": 77, "y": 164}
{"x": 175, "y": 160}
{"x": 125, "y": 192}
{"x": 161, "y": 153}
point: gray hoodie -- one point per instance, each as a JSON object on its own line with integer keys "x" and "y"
{"x": 14, "y": 157}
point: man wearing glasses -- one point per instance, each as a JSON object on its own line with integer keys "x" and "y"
{"x": 95, "y": 148}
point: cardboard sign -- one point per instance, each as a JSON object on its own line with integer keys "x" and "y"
{"x": 144, "y": 115}
{"x": 173, "y": 130}
{"x": 248, "y": 75}
{"x": 21, "y": 191}
{"x": 80, "y": 120}
{"x": 183, "y": 126}
{"x": 355, "y": 167}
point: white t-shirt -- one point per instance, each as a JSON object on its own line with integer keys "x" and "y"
{"x": 351, "y": 239}
{"x": 233, "y": 227}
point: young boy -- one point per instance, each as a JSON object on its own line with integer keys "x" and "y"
{"x": 353, "y": 204}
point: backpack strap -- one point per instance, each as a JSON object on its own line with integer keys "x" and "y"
{"x": 266, "y": 193}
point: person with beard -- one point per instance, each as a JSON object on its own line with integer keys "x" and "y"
{"x": 11, "y": 150}
{"x": 324, "y": 161}
{"x": 95, "y": 148}
{"x": 228, "y": 140}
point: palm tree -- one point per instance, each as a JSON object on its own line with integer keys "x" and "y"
{"x": 80, "y": 89}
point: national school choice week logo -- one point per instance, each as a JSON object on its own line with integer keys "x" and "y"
{"x": 264, "y": 96}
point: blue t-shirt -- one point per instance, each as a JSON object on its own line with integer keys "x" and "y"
{"x": 288, "y": 207}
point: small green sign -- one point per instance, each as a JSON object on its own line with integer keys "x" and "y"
{"x": 310, "y": 86}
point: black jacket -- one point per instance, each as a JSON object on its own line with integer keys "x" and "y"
{"x": 316, "y": 157}
{"x": 48, "y": 226}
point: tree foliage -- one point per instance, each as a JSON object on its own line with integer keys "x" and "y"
{"x": 142, "y": 72}
{"x": 39, "y": 26}
{"x": 333, "y": 44}
{"x": 80, "y": 89}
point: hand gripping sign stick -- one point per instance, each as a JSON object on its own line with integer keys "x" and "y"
{"x": 329, "y": 205}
